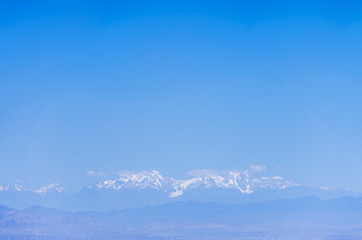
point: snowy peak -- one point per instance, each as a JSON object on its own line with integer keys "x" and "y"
{"x": 15, "y": 187}
{"x": 275, "y": 182}
{"x": 140, "y": 180}
{"x": 231, "y": 180}
{"x": 54, "y": 187}
{"x": 242, "y": 181}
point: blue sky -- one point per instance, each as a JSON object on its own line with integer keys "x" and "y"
{"x": 180, "y": 85}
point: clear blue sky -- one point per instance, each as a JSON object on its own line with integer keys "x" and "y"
{"x": 180, "y": 85}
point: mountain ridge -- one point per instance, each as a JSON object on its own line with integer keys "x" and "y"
{"x": 240, "y": 180}
{"x": 136, "y": 189}
{"x": 278, "y": 219}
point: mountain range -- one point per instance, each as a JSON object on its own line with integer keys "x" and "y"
{"x": 300, "y": 218}
{"x": 136, "y": 189}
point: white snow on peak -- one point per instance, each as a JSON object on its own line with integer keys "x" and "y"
{"x": 176, "y": 193}
{"x": 141, "y": 180}
{"x": 4, "y": 188}
{"x": 54, "y": 187}
{"x": 242, "y": 181}
{"x": 326, "y": 188}
{"x": 19, "y": 187}
{"x": 15, "y": 187}
{"x": 227, "y": 180}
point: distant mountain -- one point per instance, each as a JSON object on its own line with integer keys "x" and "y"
{"x": 301, "y": 218}
{"x": 137, "y": 189}
{"x": 242, "y": 181}
{"x": 18, "y": 196}
{"x": 298, "y": 209}
{"x": 53, "y": 187}
{"x": 45, "y": 223}
{"x": 15, "y": 187}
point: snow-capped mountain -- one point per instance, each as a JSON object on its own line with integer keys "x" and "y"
{"x": 15, "y": 187}
{"x": 242, "y": 181}
{"x": 136, "y": 189}
{"x": 19, "y": 196}
{"x": 138, "y": 180}
{"x": 53, "y": 187}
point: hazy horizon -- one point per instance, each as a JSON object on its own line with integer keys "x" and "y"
{"x": 180, "y": 119}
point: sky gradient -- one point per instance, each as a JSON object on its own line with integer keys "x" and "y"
{"x": 177, "y": 86}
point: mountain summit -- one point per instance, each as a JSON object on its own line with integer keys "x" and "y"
{"x": 242, "y": 181}
{"x": 136, "y": 189}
